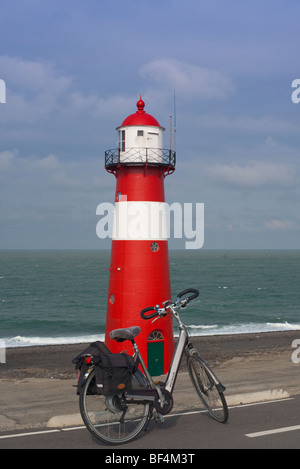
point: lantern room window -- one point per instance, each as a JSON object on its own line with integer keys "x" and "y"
{"x": 140, "y": 133}
{"x": 123, "y": 140}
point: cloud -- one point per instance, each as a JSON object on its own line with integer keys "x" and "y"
{"x": 248, "y": 124}
{"x": 276, "y": 225}
{"x": 6, "y": 159}
{"x": 258, "y": 225}
{"x": 190, "y": 80}
{"x": 40, "y": 95}
{"x": 47, "y": 176}
{"x": 11, "y": 163}
{"x": 38, "y": 77}
{"x": 255, "y": 174}
{"x": 34, "y": 89}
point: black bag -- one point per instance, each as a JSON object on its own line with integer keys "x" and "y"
{"x": 96, "y": 349}
{"x": 113, "y": 370}
{"x": 114, "y": 373}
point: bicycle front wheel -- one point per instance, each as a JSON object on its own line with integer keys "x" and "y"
{"x": 111, "y": 419}
{"x": 209, "y": 392}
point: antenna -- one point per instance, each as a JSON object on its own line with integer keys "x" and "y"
{"x": 174, "y": 121}
{"x": 2, "y": 92}
{"x": 170, "y": 132}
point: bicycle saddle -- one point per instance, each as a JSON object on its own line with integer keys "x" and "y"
{"x": 128, "y": 333}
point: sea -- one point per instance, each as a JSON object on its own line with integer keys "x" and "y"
{"x": 59, "y": 297}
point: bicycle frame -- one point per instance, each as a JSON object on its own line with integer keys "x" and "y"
{"x": 174, "y": 368}
{"x": 183, "y": 346}
{"x": 155, "y": 391}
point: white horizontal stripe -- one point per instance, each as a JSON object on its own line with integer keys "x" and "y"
{"x": 272, "y": 432}
{"x": 17, "y": 435}
{"x": 140, "y": 221}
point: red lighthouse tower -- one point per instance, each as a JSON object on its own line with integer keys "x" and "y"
{"x": 139, "y": 269}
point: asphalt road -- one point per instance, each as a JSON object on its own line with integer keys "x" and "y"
{"x": 267, "y": 425}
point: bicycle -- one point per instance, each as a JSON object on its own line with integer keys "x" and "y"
{"x": 120, "y": 418}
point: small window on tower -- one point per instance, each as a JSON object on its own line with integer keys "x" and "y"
{"x": 140, "y": 133}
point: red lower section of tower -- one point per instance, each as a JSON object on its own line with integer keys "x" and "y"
{"x": 139, "y": 277}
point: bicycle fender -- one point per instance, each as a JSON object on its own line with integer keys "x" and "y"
{"x": 84, "y": 378}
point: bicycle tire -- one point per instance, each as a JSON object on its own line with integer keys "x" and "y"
{"x": 210, "y": 394}
{"x": 102, "y": 414}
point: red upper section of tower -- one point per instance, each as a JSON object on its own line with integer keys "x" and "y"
{"x": 140, "y": 117}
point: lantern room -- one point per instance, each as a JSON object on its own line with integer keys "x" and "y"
{"x": 140, "y": 142}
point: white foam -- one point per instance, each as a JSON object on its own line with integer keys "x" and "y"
{"x": 246, "y": 328}
{"x": 20, "y": 341}
{"x": 284, "y": 326}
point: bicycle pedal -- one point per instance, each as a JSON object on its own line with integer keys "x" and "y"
{"x": 158, "y": 418}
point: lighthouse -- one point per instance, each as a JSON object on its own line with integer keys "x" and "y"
{"x": 139, "y": 270}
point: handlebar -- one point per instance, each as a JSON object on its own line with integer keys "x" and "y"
{"x": 194, "y": 292}
{"x": 178, "y": 304}
{"x": 149, "y": 316}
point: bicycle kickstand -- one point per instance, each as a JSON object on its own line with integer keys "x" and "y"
{"x": 158, "y": 418}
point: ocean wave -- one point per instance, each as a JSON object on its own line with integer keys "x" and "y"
{"x": 193, "y": 329}
{"x": 201, "y": 327}
{"x": 284, "y": 325}
{"x": 246, "y": 328}
{"x": 21, "y": 341}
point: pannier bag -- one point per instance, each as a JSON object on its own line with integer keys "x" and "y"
{"x": 113, "y": 370}
{"x": 114, "y": 373}
{"x": 96, "y": 349}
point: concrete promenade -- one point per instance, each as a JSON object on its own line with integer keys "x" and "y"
{"x": 36, "y": 389}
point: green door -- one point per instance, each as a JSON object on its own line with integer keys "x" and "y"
{"x": 155, "y": 354}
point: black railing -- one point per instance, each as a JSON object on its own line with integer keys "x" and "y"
{"x": 140, "y": 156}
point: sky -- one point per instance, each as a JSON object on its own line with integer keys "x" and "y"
{"x": 74, "y": 70}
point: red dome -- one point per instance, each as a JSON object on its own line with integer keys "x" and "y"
{"x": 140, "y": 117}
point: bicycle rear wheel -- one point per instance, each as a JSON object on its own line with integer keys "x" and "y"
{"x": 111, "y": 419}
{"x": 209, "y": 392}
